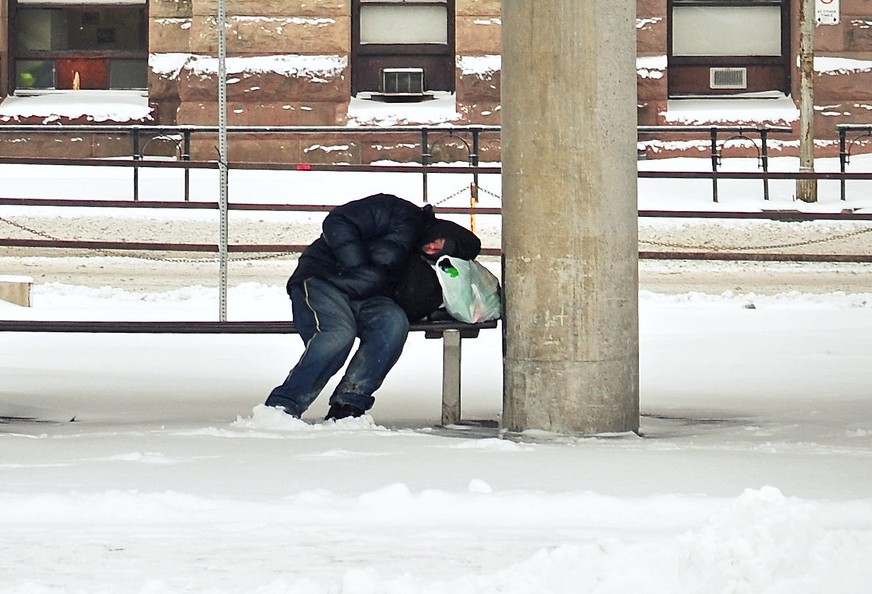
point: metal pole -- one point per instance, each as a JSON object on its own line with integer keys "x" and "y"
{"x": 473, "y": 158}
{"x": 186, "y": 156}
{"x": 425, "y": 161}
{"x": 222, "y": 161}
{"x": 806, "y": 189}
{"x": 843, "y": 160}
{"x": 473, "y": 189}
{"x": 136, "y": 157}
{"x": 764, "y": 161}
{"x": 451, "y": 377}
{"x": 715, "y": 160}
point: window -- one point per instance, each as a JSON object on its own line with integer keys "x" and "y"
{"x": 726, "y": 30}
{"x": 397, "y": 34}
{"x": 708, "y": 38}
{"x": 81, "y": 46}
{"x": 403, "y": 24}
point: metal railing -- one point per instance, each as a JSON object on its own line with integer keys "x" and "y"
{"x": 861, "y": 132}
{"x": 181, "y": 136}
{"x": 142, "y": 136}
{"x": 720, "y": 140}
{"x": 45, "y": 240}
{"x": 717, "y": 145}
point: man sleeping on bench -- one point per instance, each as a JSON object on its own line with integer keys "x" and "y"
{"x": 367, "y": 276}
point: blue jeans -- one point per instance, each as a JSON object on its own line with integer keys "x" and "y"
{"x": 328, "y": 321}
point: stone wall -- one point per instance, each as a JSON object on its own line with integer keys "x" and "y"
{"x": 287, "y": 62}
{"x": 291, "y": 30}
{"x": 478, "y": 44}
{"x": 843, "y": 77}
{"x": 48, "y": 145}
{"x": 651, "y": 46}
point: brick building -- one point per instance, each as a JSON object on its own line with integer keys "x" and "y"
{"x": 320, "y": 62}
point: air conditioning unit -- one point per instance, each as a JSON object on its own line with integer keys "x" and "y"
{"x": 402, "y": 81}
{"x": 728, "y": 78}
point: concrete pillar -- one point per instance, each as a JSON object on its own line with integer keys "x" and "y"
{"x": 570, "y": 233}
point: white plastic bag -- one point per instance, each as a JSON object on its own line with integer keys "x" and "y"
{"x": 469, "y": 290}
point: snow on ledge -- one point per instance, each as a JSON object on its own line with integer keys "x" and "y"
{"x": 168, "y": 65}
{"x": 363, "y": 111}
{"x": 318, "y": 68}
{"x": 651, "y": 66}
{"x": 95, "y": 106}
{"x": 833, "y": 66}
{"x": 749, "y": 109}
{"x": 480, "y": 66}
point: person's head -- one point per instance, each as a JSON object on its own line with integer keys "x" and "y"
{"x": 434, "y": 246}
{"x": 437, "y": 239}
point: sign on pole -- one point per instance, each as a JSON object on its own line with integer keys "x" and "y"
{"x": 826, "y": 12}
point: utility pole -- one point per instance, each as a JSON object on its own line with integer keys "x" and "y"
{"x": 222, "y": 162}
{"x": 570, "y": 237}
{"x": 806, "y": 189}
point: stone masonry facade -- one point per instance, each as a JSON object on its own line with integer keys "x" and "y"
{"x": 289, "y": 63}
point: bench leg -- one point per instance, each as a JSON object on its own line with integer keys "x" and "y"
{"x": 450, "y": 377}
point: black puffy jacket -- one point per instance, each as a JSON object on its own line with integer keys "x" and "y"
{"x": 417, "y": 291}
{"x": 364, "y": 245}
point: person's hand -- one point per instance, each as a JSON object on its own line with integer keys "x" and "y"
{"x": 361, "y": 282}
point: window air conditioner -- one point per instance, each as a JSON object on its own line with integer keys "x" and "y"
{"x": 402, "y": 81}
{"x": 728, "y": 78}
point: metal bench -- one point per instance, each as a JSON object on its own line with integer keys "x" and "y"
{"x": 450, "y": 331}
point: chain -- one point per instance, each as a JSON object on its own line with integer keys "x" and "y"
{"x": 454, "y": 195}
{"x": 270, "y": 256}
{"x": 116, "y": 254}
{"x": 466, "y": 189}
{"x": 486, "y": 191}
{"x": 28, "y": 229}
{"x": 277, "y": 255}
{"x": 759, "y": 247}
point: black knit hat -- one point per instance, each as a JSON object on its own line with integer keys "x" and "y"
{"x": 438, "y": 228}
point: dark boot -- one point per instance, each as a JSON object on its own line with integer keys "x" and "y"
{"x": 342, "y": 411}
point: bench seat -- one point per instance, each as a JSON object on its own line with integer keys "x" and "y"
{"x": 450, "y": 331}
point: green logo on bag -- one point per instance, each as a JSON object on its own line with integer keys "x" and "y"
{"x": 448, "y": 268}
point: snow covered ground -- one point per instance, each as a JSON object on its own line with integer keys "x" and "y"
{"x": 153, "y": 468}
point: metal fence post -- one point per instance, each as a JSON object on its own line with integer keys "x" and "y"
{"x": 137, "y": 156}
{"x": 843, "y": 160}
{"x": 451, "y": 377}
{"x": 186, "y": 156}
{"x": 764, "y": 161}
{"x": 473, "y": 156}
{"x": 425, "y": 161}
{"x": 715, "y": 158}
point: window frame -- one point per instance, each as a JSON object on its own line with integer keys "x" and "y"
{"x": 724, "y": 60}
{"x": 434, "y": 49}
{"x": 687, "y": 73}
{"x": 16, "y": 54}
{"x": 372, "y": 52}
